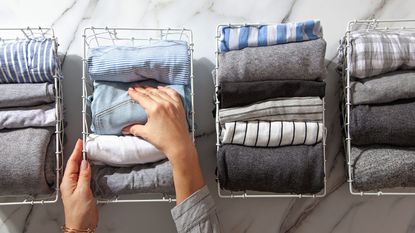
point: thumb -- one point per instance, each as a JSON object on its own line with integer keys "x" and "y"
{"x": 84, "y": 179}
{"x": 136, "y": 130}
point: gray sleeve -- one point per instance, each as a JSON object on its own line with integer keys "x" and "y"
{"x": 197, "y": 214}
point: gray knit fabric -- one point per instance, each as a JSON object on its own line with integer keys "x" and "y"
{"x": 289, "y": 169}
{"x": 237, "y": 94}
{"x": 21, "y": 117}
{"x": 391, "y": 124}
{"x": 22, "y": 161}
{"x": 379, "y": 167}
{"x": 146, "y": 178}
{"x": 300, "y": 61}
{"x": 384, "y": 88}
{"x": 26, "y": 94}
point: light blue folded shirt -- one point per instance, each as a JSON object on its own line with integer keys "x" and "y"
{"x": 113, "y": 109}
{"x": 165, "y": 61}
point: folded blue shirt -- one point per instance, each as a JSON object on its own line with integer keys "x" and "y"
{"x": 163, "y": 61}
{"x": 236, "y": 38}
{"x": 29, "y": 61}
{"x": 113, "y": 109}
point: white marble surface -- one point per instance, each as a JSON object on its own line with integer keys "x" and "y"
{"x": 338, "y": 212}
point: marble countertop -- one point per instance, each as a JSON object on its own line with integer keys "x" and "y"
{"x": 337, "y": 212}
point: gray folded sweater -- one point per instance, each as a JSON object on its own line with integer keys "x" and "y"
{"x": 379, "y": 167}
{"x": 391, "y": 124}
{"x": 110, "y": 181}
{"x": 290, "y": 169}
{"x": 291, "y": 61}
{"x": 23, "y": 154}
{"x": 383, "y": 88}
{"x": 26, "y": 94}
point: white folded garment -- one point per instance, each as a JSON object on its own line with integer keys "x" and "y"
{"x": 121, "y": 151}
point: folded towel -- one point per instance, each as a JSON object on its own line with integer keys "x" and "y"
{"x": 279, "y": 109}
{"x": 235, "y": 38}
{"x": 236, "y": 94}
{"x": 379, "y": 167}
{"x": 113, "y": 109}
{"x": 289, "y": 169}
{"x": 163, "y": 61}
{"x": 37, "y": 116}
{"x": 391, "y": 124}
{"x": 23, "y": 154}
{"x": 26, "y": 94}
{"x": 29, "y": 61}
{"x": 121, "y": 150}
{"x": 298, "y": 61}
{"x": 378, "y": 52}
{"x": 384, "y": 88}
{"x": 272, "y": 134}
{"x": 147, "y": 178}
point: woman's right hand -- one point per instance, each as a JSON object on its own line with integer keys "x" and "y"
{"x": 167, "y": 129}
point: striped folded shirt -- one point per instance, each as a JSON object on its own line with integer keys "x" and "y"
{"x": 29, "y": 61}
{"x": 236, "y": 38}
{"x": 272, "y": 133}
{"x": 163, "y": 61}
{"x": 278, "y": 109}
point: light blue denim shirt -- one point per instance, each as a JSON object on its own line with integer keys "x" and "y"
{"x": 113, "y": 109}
{"x": 166, "y": 61}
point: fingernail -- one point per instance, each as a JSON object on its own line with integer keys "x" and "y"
{"x": 125, "y": 132}
{"x": 84, "y": 164}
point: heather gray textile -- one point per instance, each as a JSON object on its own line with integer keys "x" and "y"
{"x": 22, "y": 161}
{"x": 289, "y": 169}
{"x": 279, "y": 109}
{"x": 26, "y": 94}
{"x": 298, "y": 61}
{"x": 379, "y": 167}
{"x": 384, "y": 88}
{"x": 37, "y": 116}
{"x": 242, "y": 93}
{"x": 146, "y": 178}
{"x": 391, "y": 124}
{"x": 197, "y": 214}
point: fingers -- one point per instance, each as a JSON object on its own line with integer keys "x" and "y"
{"x": 84, "y": 176}
{"x": 172, "y": 93}
{"x": 72, "y": 166}
{"x": 136, "y": 130}
{"x": 137, "y": 94}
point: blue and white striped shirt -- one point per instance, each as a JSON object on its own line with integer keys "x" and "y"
{"x": 236, "y": 38}
{"x": 28, "y": 61}
{"x": 164, "y": 61}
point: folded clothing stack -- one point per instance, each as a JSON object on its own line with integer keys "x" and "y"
{"x": 270, "y": 91}
{"x": 128, "y": 164}
{"x": 382, "y": 94}
{"x": 28, "y": 69}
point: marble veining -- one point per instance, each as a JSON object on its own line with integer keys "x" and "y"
{"x": 337, "y": 212}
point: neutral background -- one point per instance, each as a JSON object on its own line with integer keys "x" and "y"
{"x": 338, "y": 212}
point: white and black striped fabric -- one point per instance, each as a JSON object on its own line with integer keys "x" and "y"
{"x": 278, "y": 109}
{"x": 272, "y": 133}
{"x": 28, "y": 61}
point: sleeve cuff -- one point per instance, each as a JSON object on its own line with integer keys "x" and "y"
{"x": 193, "y": 210}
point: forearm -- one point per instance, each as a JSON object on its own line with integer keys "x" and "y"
{"x": 187, "y": 173}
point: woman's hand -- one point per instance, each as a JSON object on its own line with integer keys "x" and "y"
{"x": 79, "y": 203}
{"x": 167, "y": 129}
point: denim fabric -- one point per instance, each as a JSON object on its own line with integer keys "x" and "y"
{"x": 112, "y": 108}
{"x": 163, "y": 61}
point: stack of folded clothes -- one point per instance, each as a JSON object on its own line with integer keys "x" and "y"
{"x": 382, "y": 92}
{"x": 128, "y": 164}
{"x": 28, "y": 69}
{"x": 271, "y": 108}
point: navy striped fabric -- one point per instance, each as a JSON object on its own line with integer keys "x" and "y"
{"x": 164, "y": 61}
{"x": 28, "y": 61}
{"x": 236, "y": 38}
